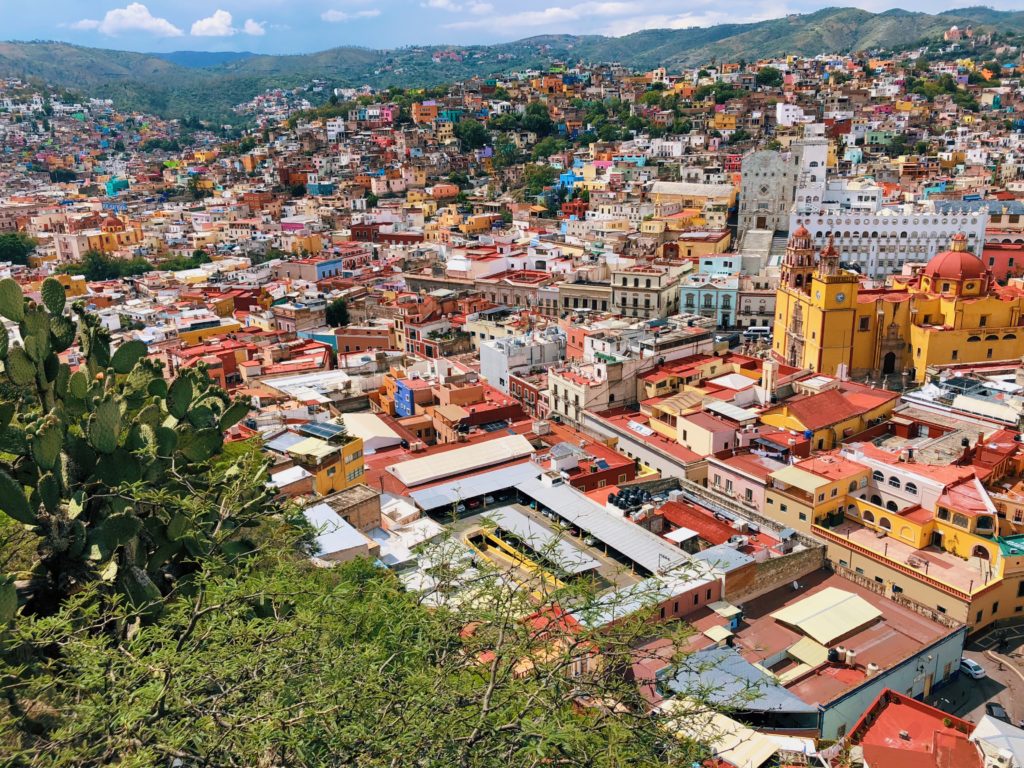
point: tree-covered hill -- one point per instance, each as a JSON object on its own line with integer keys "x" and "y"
{"x": 201, "y": 85}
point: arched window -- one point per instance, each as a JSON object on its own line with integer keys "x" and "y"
{"x": 852, "y": 509}
{"x": 894, "y": 482}
{"x": 979, "y": 552}
{"x": 1009, "y": 337}
{"x": 911, "y": 489}
{"x": 869, "y": 516}
{"x": 991, "y": 337}
{"x": 877, "y": 476}
{"x": 876, "y": 499}
{"x": 974, "y": 338}
{"x": 884, "y": 523}
{"x": 853, "y": 487}
{"x": 892, "y": 506}
{"x": 905, "y": 533}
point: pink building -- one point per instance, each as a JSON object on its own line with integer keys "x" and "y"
{"x": 743, "y": 476}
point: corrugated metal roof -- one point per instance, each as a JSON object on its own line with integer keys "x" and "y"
{"x": 799, "y": 478}
{"x": 828, "y": 614}
{"x": 369, "y": 425}
{"x": 730, "y": 741}
{"x": 731, "y": 680}
{"x": 552, "y": 546}
{"x": 730, "y": 411}
{"x": 637, "y": 544}
{"x": 809, "y": 651}
{"x": 723, "y": 558}
{"x": 314, "y": 447}
{"x": 334, "y": 533}
{"x": 447, "y": 494}
{"x": 288, "y": 476}
{"x": 448, "y": 463}
{"x": 283, "y": 442}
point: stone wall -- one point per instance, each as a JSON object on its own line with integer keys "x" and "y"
{"x": 757, "y": 579}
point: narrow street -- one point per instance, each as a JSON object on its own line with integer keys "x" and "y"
{"x": 1001, "y": 653}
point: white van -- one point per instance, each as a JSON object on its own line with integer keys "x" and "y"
{"x": 756, "y": 332}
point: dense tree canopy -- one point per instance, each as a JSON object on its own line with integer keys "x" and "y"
{"x": 96, "y": 265}
{"x": 471, "y": 134}
{"x": 337, "y": 313}
{"x": 15, "y": 247}
{"x": 769, "y": 77}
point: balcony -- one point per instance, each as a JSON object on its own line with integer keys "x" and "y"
{"x": 931, "y": 566}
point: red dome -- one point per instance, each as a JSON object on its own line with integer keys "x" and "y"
{"x": 955, "y": 265}
{"x": 801, "y": 232}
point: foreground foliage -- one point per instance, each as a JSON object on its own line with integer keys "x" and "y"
{"x": 286, "y": 664}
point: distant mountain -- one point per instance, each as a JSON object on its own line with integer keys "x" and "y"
{"x": 209, "y": 84}
{"x": 202, "y": 59}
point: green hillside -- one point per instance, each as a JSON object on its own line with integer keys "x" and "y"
{"x": 177, "y": 85}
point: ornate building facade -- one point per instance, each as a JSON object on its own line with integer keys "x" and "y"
{"x": 951, "y": 311}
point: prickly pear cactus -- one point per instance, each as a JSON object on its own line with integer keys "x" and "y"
{"x": 79, "y": 450}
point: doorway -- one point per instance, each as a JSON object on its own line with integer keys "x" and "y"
{"x": 889, "y": 363}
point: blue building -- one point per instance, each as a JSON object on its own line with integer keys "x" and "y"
{"x": 115, "y": 185}
{"x": 320, "y": 189}
{"x": 405, "y": 405}
{"x": 710, "y": 296}
{"x": 568, "y": 180}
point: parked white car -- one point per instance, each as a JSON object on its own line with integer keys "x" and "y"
{"x": 972, "y": 669}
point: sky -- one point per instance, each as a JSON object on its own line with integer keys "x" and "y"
{"x": 300, "y": 26}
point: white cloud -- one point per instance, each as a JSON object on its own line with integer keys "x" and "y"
{"x": 627, "y": 26}
{"x": 335, "y": 16}
{"x": 254, "y": 28}
{"x": 216, "y": 25}
{"x": 555, "y": 14}
{"x": 475, "y": 8}
{"x": 134, "y": 17}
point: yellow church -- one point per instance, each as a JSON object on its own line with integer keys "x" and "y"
{"x": 951, "y": 311}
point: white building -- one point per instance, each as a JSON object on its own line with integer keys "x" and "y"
{"x": 880, "y": 239}
{"x": 502, "y": 358}
{"x": 788, "y": 115}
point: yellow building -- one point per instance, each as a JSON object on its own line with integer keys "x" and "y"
{"x": 724, "y": 121}
{"x": 74, "y": 285}
{"x": 942, "y": 556}
{"x": 336, "y": 464}
{"x": 198, "y": 335}
{"x": 952, "y": 311}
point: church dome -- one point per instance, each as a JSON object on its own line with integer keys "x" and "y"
{"x": 955, "y": 264}
{"x": 801, "y": 232}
